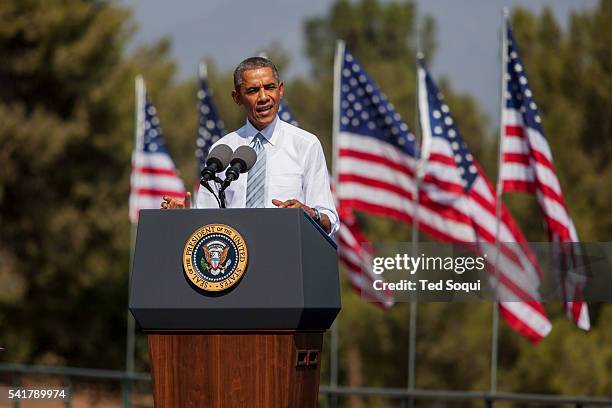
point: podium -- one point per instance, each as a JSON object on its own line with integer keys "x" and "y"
{"x": 257, "y": 343}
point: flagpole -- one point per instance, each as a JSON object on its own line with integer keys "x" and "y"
{"x": 333, "y": 372}
{"x": 203, "y": 70}
{"x": 415, "y": 229}
{"x": 131, "y": 324}
{"x": 498, "y": 200}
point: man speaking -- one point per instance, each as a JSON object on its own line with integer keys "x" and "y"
{"x": 290, "y": 171}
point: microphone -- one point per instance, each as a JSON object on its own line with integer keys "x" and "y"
{"x": 217, "y": 160}
{"x": 243, "y": 159}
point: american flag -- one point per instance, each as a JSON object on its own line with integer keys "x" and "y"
{"x": 210, "y": 127}
{"x": 153, "y": 172}
{"x": 352, "y": 246}
{"x": 377, "y": 166}
{"x": 357, "y": 256}
{"x": 454, "y": 180}
{"x": 527, "y": 166}
{"x": 285, "y": 114}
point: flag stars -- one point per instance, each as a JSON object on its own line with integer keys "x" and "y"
{"x": 437, "y": 130}
{"x": 346, "y": 72}
{"x": 437, "y": 114}
{"x": 523, "y": 80}
{"x": 444, "y": 108}
{"x": 518, "y": 67}
{"x": 448, "y": 121}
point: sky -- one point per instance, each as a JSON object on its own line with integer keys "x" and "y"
{"x": 230, "y": 30}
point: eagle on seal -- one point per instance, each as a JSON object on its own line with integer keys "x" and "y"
{"x": 216, "y": 259}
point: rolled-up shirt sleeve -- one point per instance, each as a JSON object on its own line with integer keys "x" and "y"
{"x": 317, "y": 191}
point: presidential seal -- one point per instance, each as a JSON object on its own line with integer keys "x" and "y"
{"x": 215, "y": 257}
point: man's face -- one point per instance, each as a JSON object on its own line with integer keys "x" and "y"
{"x": 260, "y": 95}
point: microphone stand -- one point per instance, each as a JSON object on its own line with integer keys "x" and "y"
{"x": 209, "y": 188}
{"x": 221, "y": 192}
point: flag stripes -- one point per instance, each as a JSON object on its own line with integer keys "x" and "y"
{"x": 154, "y": 174}
{"x": 527, "y": 166}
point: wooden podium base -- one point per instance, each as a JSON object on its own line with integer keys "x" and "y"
{"x": 235, "y": 369}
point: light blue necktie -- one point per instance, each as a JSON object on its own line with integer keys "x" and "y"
{"x": 256, "y": 177}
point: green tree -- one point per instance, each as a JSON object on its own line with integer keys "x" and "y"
{"x": 66, "y": 131}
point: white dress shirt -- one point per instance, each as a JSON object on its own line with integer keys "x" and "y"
{"x": 295, "y": 169}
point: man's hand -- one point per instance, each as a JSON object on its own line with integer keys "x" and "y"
{"x": 170, "y": 202}
{"x": 324, "y": 222}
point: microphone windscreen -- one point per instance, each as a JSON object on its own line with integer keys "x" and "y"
{"x": 245, "y": 155}
{"x": 220, "y": 155}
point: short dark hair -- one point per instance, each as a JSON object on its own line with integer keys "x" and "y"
{"x": 253, "y": 63}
